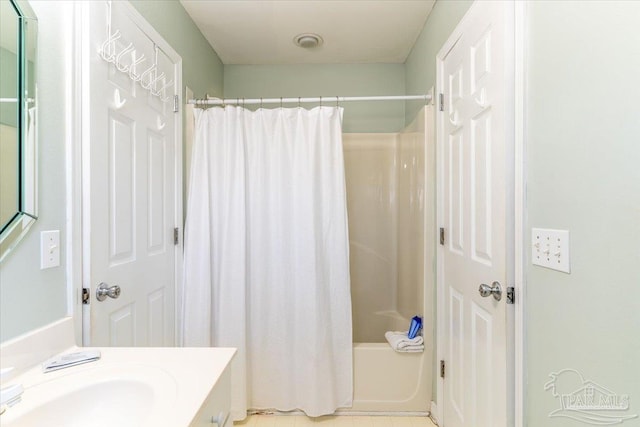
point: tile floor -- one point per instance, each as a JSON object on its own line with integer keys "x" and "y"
{"x": 334, "y": 421}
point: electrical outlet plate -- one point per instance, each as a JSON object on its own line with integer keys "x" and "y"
{"x": 49, "y": 249}
{"x": 550, "y": 249}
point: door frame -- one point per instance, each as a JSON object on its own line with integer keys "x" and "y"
{"x": 78, "y": 120}
{"x": 516, "y": 237}
{"x": 519, "y": 181}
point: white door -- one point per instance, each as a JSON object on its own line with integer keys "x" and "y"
{"x": 132, "y": 168}
{"x": 475, "y": 159}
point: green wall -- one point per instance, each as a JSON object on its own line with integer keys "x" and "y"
{"x": 31, "y": 297}
{"x": 263, "y": 81}
{"x": 420, "y": 67}
{"x": 201, "y": 68}
{"x": 583, "y": 162}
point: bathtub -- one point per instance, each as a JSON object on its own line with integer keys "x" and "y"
{"x": 387, "y": 381}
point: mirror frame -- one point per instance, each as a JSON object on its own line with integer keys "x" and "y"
{"x": 18, "y": 226}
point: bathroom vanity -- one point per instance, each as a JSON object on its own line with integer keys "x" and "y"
{"x": 125, "y": 387}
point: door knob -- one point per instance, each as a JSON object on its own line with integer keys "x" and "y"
{"x": 104, "y": 291}
{"x": 495, "y": 289}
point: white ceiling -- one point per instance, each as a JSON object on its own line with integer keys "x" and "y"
{"x": 354, "y": 31}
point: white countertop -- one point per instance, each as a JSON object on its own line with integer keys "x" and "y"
{"x": 181, "y": 380}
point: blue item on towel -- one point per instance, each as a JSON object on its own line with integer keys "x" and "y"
{"x": 416, "y": 325}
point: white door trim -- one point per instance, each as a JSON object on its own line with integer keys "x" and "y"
{"x": 516, "y": 351}
{"x": 520, "y": 170}
{"x": 73, "y": 157}
{"x": 79, "y": 177}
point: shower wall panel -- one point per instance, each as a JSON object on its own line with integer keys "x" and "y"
{"x": 410, "y": 229}
{"x": 385, "y": 201}
{"x": 371, "y": 178}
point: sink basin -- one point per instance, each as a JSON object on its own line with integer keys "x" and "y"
{"x": 128, "y": 386}
{"x": 131, "y": 395}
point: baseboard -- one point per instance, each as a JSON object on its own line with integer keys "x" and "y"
{"x": 433, "y": 414}
{"x": 382, "y": 413}
{"x": 343, "y": 413}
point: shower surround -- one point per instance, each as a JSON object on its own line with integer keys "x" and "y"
{"x": 390, "y": 180}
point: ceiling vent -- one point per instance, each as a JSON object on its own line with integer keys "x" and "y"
{"x": 308, "y": 40}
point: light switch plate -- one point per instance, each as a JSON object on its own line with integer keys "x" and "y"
{"x": 550, "y": 249}
{"x": 49, "y": 249}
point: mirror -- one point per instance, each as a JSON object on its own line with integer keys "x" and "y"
{"x": 18, "y": 30}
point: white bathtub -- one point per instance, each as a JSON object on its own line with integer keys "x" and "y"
{"x": 387, "y": 381}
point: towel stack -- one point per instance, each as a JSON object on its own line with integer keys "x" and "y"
{"x": 401, "y": 343}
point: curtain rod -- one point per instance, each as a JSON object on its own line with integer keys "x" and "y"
{"x": 317, "y": 99}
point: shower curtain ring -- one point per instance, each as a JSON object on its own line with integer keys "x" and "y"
{"x": 321, "y": 101}
{"x": 337, "y": 101}
{"x": 260, "y": 102}
{"x": 298, "y": 102}
{"x": 280, "y": 102}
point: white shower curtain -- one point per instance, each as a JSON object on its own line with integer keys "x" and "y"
{"x": 266, "y": 255}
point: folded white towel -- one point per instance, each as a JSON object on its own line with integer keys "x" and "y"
{"x": 399, "y": 341}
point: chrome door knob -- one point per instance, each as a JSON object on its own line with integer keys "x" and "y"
{"x": 105, "y": 291}
{"x": 495, "y": 289}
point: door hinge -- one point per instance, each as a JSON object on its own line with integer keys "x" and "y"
{"x": 441, "y": 100}
{"x": 176, "y": 236}
{"x": 511, "y": 295}
{"x": 442, "y": 236}
{"x": 86, "y": 295}
{"x": 176, "y": 103}
{"x": 442, "y": 369}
